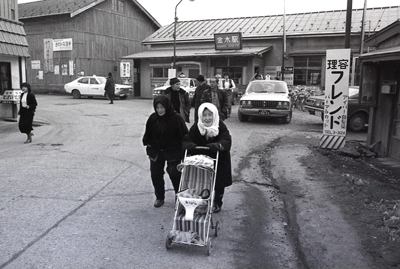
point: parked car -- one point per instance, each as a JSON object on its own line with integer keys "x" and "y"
{"x": 357, "y": 114}
{"x": 267, "y": 99}
{"x": 188, "y": 84}
{"x": 92, "y": 86}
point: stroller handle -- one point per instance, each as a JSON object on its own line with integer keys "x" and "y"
{"x": 202, "y": 147}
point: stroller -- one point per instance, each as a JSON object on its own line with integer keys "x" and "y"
{"x": 194, "y": 204}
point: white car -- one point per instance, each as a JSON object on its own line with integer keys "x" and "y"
{"x": 266, "y": 98}
{"x": 188, "y": 84}
{"x": 91, "y": 86}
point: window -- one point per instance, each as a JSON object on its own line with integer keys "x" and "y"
{"x": 5, "y": 77}
{"x": 307, "y": 70}
{"x": 118, "y": 5}
{"x": 93, "y": 81}
{"x": 84, "y": 81}
{"x": 12, "y": 14}
{"x": 160, "y": 72}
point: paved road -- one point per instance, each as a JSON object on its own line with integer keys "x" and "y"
{"x": 80, "y": 195}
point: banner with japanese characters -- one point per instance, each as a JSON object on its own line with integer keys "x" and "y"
{"x": 336, "y": 98}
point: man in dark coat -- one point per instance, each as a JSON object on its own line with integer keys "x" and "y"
{"x": 179, "y": 98}
{"x": 163, "y": 137}
{"x": 198, "y": 93}
{"x": 110, "y": 88}
{"x": 217, "y": 97}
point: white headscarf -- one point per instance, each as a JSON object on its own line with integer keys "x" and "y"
{"x": 213, "y": 130}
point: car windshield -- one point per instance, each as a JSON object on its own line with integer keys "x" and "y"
{"x": 184, "y": 82}
{"x": 266, "y": 87}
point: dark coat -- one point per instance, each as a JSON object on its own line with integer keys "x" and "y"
{"x": 224, "y": 170}
{"x": 223, "y": 101}
{"x": 196, "y": 101}
{"x": 165, "y": 133}
{"x": 184, "y": 109}
{"x": 110, "y": 86}
{"x": 26, "y": 115}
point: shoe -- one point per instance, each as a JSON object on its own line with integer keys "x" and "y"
{"x": 29, "y": 140}
{"x": 158, "y": 203}
{"x": 216, "y": 208}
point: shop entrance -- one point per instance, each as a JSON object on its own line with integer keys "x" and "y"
{"x": 394, "y": 151}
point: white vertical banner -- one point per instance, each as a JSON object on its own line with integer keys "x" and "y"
{"x": 71, "y": 67}
{"x": 336, "y": 98}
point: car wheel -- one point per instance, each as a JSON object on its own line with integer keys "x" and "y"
{"x": 90, "y": 97}
{"x": 357, "y": 122}
{"x": 123, "y": 97}
{"x": 76, "y": 94}
{"x": 287, "y": 118}
{"x": 242, "y": 118}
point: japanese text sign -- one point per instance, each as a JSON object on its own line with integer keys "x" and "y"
{"x": 228, "y": 41}
{"x": 336, "y": 92}
{"x": 62, "y": 44}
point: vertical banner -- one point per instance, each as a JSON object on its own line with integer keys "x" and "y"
{"x": 71, "y": 67}
{"x": 336, "y": 98}
{"x": 125, "y": 69}
{"x": 48, "y": 54}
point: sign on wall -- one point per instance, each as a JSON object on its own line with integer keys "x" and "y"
{"x": 228, "y": 41}
{"x": 48, "y": 55}
{"x": 336, "y": 98}
{"x": 288, "y": 76}
{"x": 125, "y": 69}
{"x": 62, "y": 44}
{"x": 35, "y": 64}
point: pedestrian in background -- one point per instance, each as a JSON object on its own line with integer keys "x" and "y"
{"x": 211, "y": 132}
{"x": 228, "y": 85}
{"x": 110, "y": 88}
{"x": 179, "y": 98}
{"x": 217, "y": 97}
{"x": 198, "y": 93}
{"x": 26, "y": 112}
{"x": 163, "y": 137}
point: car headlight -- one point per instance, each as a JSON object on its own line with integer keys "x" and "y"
{"x": 245, "y": 103}
{"x": 282, "y": 105}
{"x": 157, "y": 92}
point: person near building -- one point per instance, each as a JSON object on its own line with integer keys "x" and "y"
{"x": 165, "y": 130}
{"x": 198, "y": 93}
{"x": 179, "y": 98}
{"x": 257, "y": 76}
{"x": 110, "y": 88}
{"x": 211, "y": 132}
{"x": 27, "y": 104}
{"x": 228, "y": 85}
{"x": 217, "y": 97}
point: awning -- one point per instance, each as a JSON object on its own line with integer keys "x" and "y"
{"x": 389, "y": 54}
{"x": 15, "y": 50}
{"x": 248, "y": 51}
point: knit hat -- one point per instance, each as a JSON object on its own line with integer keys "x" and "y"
{"x": 173, "y": 81}
{"x": 200, "y": 78}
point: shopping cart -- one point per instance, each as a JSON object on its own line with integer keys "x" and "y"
{"x": 193, "y": 208}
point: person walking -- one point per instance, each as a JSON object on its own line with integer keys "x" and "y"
{"x": 179, "y": 98}
{"x": 163, "y": 137}
{"x": 211, "y": 132}
{"x": 198, "y": 93}
{"x": 27, "y": 104}
{"x": 228, "y": 85}
{"x": 110, "y": 88}
{"x": 217, "y": 97}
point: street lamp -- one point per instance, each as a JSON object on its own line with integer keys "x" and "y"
{"x": 176, "y": 21}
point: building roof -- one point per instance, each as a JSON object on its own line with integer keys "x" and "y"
{"x": 388, "y": 54}
{"x": 167, "y": 53}
{"x": 13, "y": 38}
{"x": 384, "y": 34}
{"x": 58, "y": 7}
{"x": 311, "y": 23}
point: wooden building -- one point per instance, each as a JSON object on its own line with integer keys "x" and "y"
{"x": 73, "y": 37}
{"x": 380, "y": 87}
{"x": 13, "y": 55}
{"x": 307, "y": 36}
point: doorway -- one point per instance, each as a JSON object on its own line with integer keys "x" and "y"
{"x": 394, "y": 150}
{"x": 5, "y": 77}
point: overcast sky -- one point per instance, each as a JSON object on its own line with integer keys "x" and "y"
{"x": 164, "y": 10}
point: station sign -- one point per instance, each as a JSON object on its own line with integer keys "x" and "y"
{"x": 228, "y": 41}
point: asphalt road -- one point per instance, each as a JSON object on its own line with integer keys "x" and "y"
{"x": 80, "y": 195}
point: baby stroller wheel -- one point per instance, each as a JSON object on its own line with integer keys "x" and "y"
{"x": 216, "y": 227}
{"x": 208, "y": 246}
{"x": 168, "y": 242}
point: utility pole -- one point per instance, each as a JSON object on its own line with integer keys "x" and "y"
{"x": 348, "y": 24}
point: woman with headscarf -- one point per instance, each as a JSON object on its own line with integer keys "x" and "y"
{"x": 211, "y": 132}
{"x": 163, "y": 137}
{"x": 26, "y": 112}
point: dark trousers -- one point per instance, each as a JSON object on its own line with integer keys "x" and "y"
{"x": 157, "y": 175}
{"x": 218, "y": 195}
{"x": 111, "y": 97}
